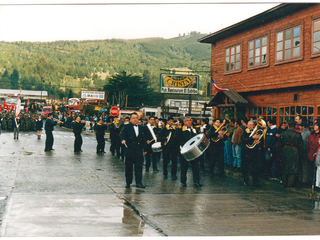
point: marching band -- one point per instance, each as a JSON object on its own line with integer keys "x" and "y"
{"x": 188, "y": 142}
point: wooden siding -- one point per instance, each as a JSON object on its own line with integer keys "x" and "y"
{"x": 304, "y": 72}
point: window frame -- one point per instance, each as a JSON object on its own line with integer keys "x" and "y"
{"x": 292, "y": 58}
{"x": 225, "y": 56}
{"x": 314, "y": 54}
{"x": 261, "y": 65}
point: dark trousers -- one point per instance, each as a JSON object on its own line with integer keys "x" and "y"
{"x": 170, "y": 153}
{"x": 150, "y": 154}
{"x": 288, "y": 180}
{"x": 250, "y": 156}
{"x": 113, "y": 143}
{"x": 101, "y": 143}
{"x": 77, "y": 142}
{"x": 184, "y": 169}
{"x": 49, "y": 141}
{"x": 137, "y": 162}
{"x": 216, "y": 155}
{"x": 122, "y": 148}
{"x": 201, "y": 161}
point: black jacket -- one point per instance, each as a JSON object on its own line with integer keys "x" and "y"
{"x": 77, "y": 127}
{"x": 100, "y": 129}
{"x": 163, "y": 135}
{"x": 185, "y": 135}
{"x": 49, "y": 125}
{"x": 135, "y": 145}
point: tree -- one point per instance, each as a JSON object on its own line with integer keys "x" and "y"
{"x": 70, "y": 94}
{"x": 128, "y": 90}
{"x": 5, "y": 83}
{"x": 14, "y": 79}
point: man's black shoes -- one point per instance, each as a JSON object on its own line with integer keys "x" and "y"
{"x": 140, "y": 186}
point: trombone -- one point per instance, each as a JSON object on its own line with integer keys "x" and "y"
{"x": 258, "y": 130}
{"x": 222, "y": 128}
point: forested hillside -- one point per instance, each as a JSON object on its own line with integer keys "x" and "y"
{"x": 63, "y": 65}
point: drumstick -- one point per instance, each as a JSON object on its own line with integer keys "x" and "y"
{"x": 126, "y": 145}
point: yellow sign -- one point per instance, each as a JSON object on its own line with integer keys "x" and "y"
{"x": 187, "y": 81}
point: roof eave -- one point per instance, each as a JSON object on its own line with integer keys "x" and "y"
{"x": 252, "y": 21}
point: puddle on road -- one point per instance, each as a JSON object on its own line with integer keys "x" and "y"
{"x": 28, "y": 153}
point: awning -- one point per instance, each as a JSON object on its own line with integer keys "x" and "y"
{"x": 235, "y": 98}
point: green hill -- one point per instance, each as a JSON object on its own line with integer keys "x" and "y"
{"x": 76, "y": 65}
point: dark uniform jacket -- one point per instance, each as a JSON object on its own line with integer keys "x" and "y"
{"x": 184, "y": 135}
{"x": 77, "y": 127}
{"x": 100, "y": 129}
{"x": 163, "y": 135}
{"x": 247, "y": 140}
{"x": 135, "y": 145}
{"x": 290, "y": 149}
{"x": 49, "y": 125}
{"x": 212, "y": 134}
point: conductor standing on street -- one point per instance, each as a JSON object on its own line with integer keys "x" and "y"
{"x": 100, "y": 131}
{"x": 77, "y": 129}
{"x": 48, "y": 127}
{"x": 132, "y": 136}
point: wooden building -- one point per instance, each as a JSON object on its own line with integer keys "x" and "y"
{"x": 272, "y": 61}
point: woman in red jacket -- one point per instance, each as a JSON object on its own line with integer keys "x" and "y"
{"x": 312, "y": 144}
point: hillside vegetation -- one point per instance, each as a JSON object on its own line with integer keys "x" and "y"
{"x": 63, "y": 65}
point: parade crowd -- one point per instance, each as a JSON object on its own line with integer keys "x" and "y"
{"x": 288, "y": 154}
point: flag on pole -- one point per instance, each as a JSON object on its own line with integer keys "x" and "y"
{"x": 18, "y": 107}
{"x": 217, "y": 88}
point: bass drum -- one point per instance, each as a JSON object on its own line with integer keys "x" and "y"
{"x": 195, "y": 147}
{"x": 156, "y": 147}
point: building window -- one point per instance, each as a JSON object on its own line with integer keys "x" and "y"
{"x": 316, "y": 37}
{"x": 233, "y": 59}
{"x": 258, "y": 50}
{"x": 289, "y": 45}
{"x": 290, "y": 113}
{"x": 266, "y": 113}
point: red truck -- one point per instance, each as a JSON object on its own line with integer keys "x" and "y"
{"x": 9, "y": 103}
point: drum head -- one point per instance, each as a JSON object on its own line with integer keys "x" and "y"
{"x": 195, "y": 147}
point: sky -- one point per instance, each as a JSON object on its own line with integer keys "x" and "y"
{"x": 53, "y": 20}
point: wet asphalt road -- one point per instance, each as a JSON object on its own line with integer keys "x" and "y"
{"x": 62, "y": 194}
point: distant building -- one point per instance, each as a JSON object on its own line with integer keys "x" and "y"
{"x": 25, "y": 94}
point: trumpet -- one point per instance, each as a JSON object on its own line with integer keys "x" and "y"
{"x": 220, "y": 128}
{"x": 258, "y": 130}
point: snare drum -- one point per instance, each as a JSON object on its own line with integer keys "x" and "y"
{"x": 195, "y": 147}
{"x": 156, "y": 147}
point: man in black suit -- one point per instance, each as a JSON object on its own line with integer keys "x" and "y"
{"x": 185, "y": 134}
{"x": 132, "y": 136}
{"x": 77, "y": 129}
{"x": 48, "y": 127}
{"x": 151, "y": 139}
{"x": 170, "y": 146}
{"x": 100, "y": 132}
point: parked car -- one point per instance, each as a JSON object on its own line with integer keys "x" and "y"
{"x": 46, "y": 110}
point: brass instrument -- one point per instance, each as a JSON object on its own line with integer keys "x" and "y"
{"x": 220, "y": 128}
{"x": 258, "y": 130}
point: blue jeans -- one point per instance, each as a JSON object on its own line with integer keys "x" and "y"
{"x": 236, "y": 156}
{"x": 229, "y": 154}
{"x": 225, "y": 148}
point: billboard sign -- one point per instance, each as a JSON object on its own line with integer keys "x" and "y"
{"x": 179, "y": 84}
{"x": 99, "y": 95}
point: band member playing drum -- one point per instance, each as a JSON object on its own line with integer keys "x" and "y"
{"x": 151, "y": 139}
{"x": 215, "y": 151}
{"x": 170, "y": 148}
{"x": 186, "y": 133}
{"x": 133, "y": 138}
{"x": 157, "y": 128}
